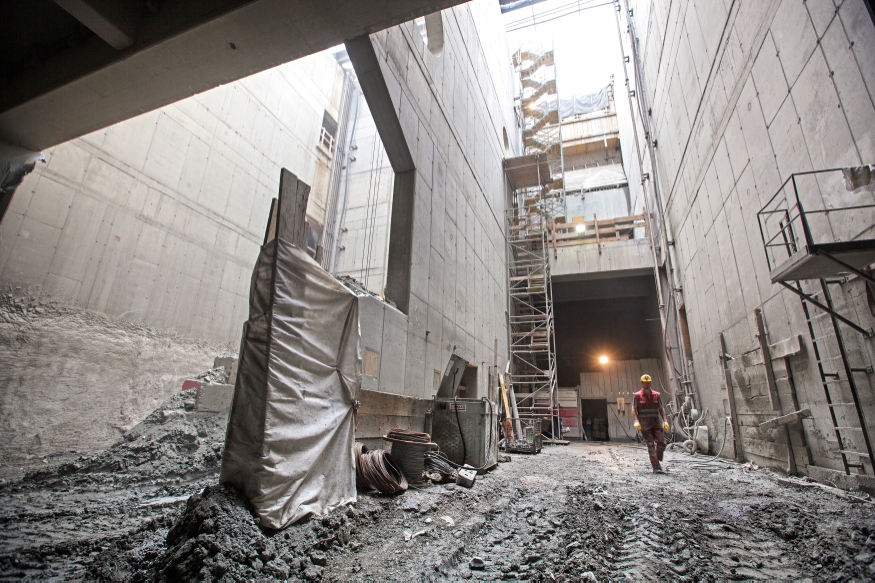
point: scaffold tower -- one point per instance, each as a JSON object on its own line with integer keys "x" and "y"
{"x": 537, "y": 180}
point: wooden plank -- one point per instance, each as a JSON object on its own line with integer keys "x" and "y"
{"x": 611, "y": 377}
{"x": 270, "y": 232}
{"x": 582, "y": 242}
{"x": 774, "y": 399}
{"x": 767, "y": 362}
{"x": 604, "y": 222}
{"x": 785, "y": 419}
{"x": 502, "y": 382}
{"x": 739, "y": 454}
{"x": 292, "y": 209}
{"x": 599, "y": 387}
{"x": 635, "y": 373}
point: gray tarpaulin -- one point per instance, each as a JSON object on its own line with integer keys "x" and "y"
{"x": 289, "y": 446}
{"x": 582, "y": 103}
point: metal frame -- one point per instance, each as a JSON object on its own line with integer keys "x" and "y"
{"x": 532, "y": 347}
{"x": 788, "y": 239}
{"x": 837, "y": 429}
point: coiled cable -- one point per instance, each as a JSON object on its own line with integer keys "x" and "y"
{"x": 378, "y": 470}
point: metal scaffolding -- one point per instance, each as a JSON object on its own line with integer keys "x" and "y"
{"x": 537, "y": 180}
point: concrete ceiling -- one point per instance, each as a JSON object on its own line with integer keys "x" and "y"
{"x": 70, "y": 67}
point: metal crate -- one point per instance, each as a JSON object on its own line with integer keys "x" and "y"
{"x": 479, "y": 422}
{"x": 531, "y": 441}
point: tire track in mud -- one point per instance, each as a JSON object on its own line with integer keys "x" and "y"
{"x": 632, "y": 539}
{"x": 643, "y": 553}
{"x": 646, "y": 532}
{"x": 747, "y": 554}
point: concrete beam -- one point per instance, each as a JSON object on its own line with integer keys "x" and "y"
{"x": 399, "y": 266}
{"x": 372, "y": 79}
{"x": 115, "y": 21}
{"x": 373, "y": 83}
{"x": 184, "y": 49}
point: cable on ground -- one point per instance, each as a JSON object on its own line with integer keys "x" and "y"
{"x": 378, "y": 470}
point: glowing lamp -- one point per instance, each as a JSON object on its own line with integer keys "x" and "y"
{"x": 603, "y": 359}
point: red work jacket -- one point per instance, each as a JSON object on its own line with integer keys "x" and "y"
{"x": 647, "y": 408}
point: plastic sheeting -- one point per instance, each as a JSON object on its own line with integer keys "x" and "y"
{"x": 290, "y": 439}
{"x": 582, "y": 103}
{"x": 595, "y": 177}
{"x": 859, "y": 178}
{"x": 15, "y": 164}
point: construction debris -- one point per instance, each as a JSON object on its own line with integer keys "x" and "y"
{"x": 466, "y": 477}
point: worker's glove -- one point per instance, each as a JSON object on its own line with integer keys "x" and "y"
{"x": 665, "y": 425}
{"x": 637, "y": 426}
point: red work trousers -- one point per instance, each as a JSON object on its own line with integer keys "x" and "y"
{"x": 655, "y": 440}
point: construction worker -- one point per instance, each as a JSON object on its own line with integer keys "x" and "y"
{"x": 647, "y": 410}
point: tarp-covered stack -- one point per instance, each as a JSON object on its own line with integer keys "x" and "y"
{"x": 289, "y": 446}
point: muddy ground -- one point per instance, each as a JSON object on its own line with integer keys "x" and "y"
{"x": 149, "y": 508}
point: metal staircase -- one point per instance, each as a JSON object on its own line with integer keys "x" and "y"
{"x": 541, "y": 125}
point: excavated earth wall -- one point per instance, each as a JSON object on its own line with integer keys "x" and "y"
{"x": 73, "y": 379}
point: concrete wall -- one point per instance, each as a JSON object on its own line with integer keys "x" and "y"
{"x": 452, "y": 109}
{"x": 75, "y": 380}
{"x": 158, "y": 219}
{"x": 743, "y": 94}
{"x": 154, "y": 224}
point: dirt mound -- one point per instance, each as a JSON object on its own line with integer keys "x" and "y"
{"x": 218, "y": 536}
{"x": 106, "y": 515}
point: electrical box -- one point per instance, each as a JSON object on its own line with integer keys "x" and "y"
{"x": 466, "y": 430}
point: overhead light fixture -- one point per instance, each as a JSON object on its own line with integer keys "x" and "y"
{"x": 580, "y": 228}
{"x": 603, "y": 359}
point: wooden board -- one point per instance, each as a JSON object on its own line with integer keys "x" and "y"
{"x": 784, "y": 419}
